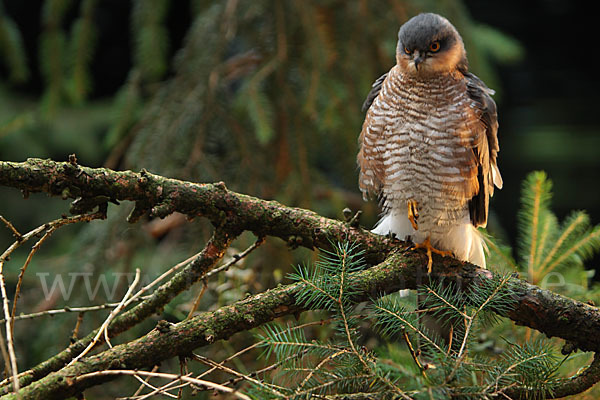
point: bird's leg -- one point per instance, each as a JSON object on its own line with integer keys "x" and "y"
{"x": 430, "y": 249}
{"x": 413, "y": 213}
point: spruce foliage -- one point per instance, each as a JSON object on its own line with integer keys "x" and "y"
{"x": 411, "y": 359}
{"x": 412, "y": 362}
{"x": 545, "y": 244}
{"x": 11, "y": 49}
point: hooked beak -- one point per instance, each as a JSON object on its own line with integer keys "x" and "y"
{"x": 418, "y": 59}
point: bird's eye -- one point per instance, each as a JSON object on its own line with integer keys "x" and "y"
{"x": 434, "y": 46}
{"x": 407, "y": 51}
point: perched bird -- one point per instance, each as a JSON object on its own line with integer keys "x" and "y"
{"x": 429, "y": 143}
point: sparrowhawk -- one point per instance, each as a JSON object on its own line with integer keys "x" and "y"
{"x": 429, "y": 143}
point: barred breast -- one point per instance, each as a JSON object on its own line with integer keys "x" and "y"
{"x": 416, "y": 144}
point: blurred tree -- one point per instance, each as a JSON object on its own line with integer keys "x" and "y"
{"x": 285, "y": 78}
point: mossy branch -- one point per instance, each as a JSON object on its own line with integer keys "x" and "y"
{"x": 397, "y": 268}
{"x": 158, "y": 196}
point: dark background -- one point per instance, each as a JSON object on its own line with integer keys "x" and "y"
{"x": 548, "y": 111}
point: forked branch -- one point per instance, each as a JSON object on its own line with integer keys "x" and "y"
{"x": 395, "y": 268}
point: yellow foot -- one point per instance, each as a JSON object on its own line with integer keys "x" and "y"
{"x": 413, "y": 213}
{"x": 430, "y": 249}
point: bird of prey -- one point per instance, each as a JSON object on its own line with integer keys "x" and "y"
{"x": 429, "y": 143}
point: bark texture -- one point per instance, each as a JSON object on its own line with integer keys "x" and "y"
{"x": 396, "y": 267}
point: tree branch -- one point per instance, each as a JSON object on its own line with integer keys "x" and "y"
{"x": 399, "y": 271}
{"x": 398, "y": 268}
{"x": 159, "y": 196}
{"x": 183, "y": 280}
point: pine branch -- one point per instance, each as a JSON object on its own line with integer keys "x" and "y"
{"x": 398, "y": 268}
{"x": 545, "y": 311}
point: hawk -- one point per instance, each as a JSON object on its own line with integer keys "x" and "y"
{"x": 429, "y": 143}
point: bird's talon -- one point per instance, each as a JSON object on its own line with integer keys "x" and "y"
{"x": 413, "y": 213}
{"x": 426, "y": 244}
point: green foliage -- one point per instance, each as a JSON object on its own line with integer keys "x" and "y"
{"x": 126, "y": 109}
{"x": 151, "y": 38}
{"x": 327, "y": 285}
{"x": 260, "y": 91}
{"x": 533, "y": 365}
{"x": 500, "y": 46}
{"x": 253, "y": 104}
{"x": 81, "y": 51}
{"x": 264, "y": 95}
{"x": 414, "y": 362}
{"x": 545, "y": 244}
{"x": 52, "y": 54}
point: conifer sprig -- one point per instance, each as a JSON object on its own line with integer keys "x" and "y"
{"x": 545, "y": 245}
{"x": 440, "y": 368}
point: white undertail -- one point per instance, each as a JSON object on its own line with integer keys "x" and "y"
{"x": 462, "y": 239}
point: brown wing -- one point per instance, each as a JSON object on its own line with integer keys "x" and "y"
{"x": 486, "y": 152}
{"x": 375, "y": 89}
{"x": 369, "y": 160}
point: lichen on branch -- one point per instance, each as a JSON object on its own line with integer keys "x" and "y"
{"x": 394, "y": 266}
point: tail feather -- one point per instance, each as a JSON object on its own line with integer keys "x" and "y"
{"x": 396, "y": 224}
{"x": 467, "y": 244}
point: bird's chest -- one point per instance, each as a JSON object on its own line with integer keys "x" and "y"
{"x": 425, "y": 133}
{"x": 427, "y": 119}
{"x": 424, "y": 143}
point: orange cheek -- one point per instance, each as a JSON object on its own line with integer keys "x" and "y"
{"x": 444, "y": 63}
{"x": 403, "y": 63}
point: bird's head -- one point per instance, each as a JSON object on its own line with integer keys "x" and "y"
{"x": 429, "y": 45}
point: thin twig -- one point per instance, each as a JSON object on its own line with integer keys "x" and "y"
{"x": 137, "y": 297}
{"x": 159, "y": 390}
{"x": 9, "y": 336}
{"x": 162, "y": 277}
{"x": 163, "y": 375}
{"x": 270, "y": 367}
{"x": 10, "y": 226}
{"x": 183, "y": 370}
{"x": 450, "y": 305}
{"x": 208, "y": 361}
{"x": 145, "y": 383}
{"x": 197, "y": 301}
{"x": 77, "y": 326}
{"x": 236, "y": 258}
{"x": 340, "y": 303}
{"x": 411, "y": 326}
{"x": 141, "y": 387}
{"x": 262, "y": 342}
{"x": 34, "y": 249}
{"x": 318, "y": 368}
{"x": 4, "y": 353}
{"x": 469, "y": 320}
{"x": 413, "y": 353}
{"x": 224, "y": 267}
{"x": 68, "y": 309}
{"x": 104, "y": 328}
{"x": 20, "y": 239}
